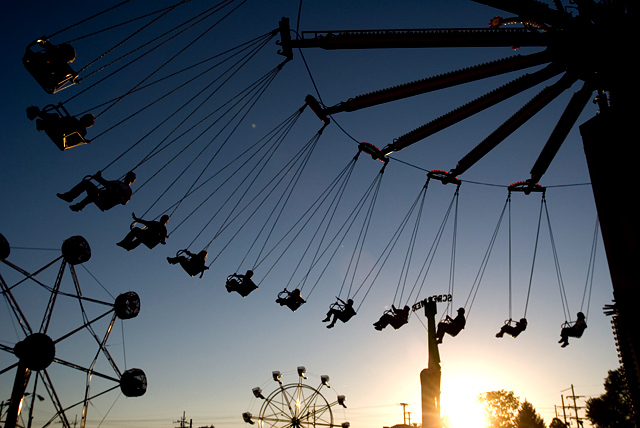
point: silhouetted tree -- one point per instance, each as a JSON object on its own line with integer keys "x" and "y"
{"x": 613, "y": 408}
{"x": 528, "y": 418}
{"x": 501, "y": 407}
{"x": 557, "y": 423}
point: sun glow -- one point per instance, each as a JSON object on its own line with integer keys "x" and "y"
{"x": 459, "y": 404}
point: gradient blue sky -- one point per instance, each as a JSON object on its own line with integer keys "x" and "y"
{"x": 203, "y": 350}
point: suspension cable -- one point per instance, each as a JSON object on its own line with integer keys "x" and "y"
{"x": 339, "y": 182}
{"x": 89, "y": 18}
{"x": 590, "y": 270}
{"x": 160, "y": 146}
{"x": 426, "y": 265}
{"x": 535, "y": 252}
{"x": 563, "y": 294}
{"x": 248, "y": 105}
{"x": 485, "y": 260}
{"x": 263, "y": 142}
{"x": 165, "y": 12}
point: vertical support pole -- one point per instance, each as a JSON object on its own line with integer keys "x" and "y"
{"x": 17, "y": 395}
{"x": 430, "y": 377}
{"x": 608, "y": 139}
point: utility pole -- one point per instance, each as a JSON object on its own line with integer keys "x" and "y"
{"x": 574, "y": 406}
{"x": 183, "y": 421}
{"x": 404, "y": 413}
{"x": 564, "y": 413}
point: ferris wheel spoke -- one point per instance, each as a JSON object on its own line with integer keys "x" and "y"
{"x": 12, "y": 366}
{"x": 312, "y": 399}
{"x": 28, "y": 275}
{"x": 316, "y": 413}
{"x": 83, "y": 327}
{"x": 84, "y": 369}
{"x": 52, "y": 299}
{"x": 53, "y": 395}
{"x": 61, "y": 412}
{"x": 277, "y": 408}
{"x": 277, "y": 420}
{"x": 288, "y": 398}
{"x": 15, "y": 308}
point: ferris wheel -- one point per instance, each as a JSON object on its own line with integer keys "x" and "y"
{"x": 41, "y": 347}
{"x": 296, "y": 404}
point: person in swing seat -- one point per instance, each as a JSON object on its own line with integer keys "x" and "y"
{"x": 401, "y": 317}
{"x": 50, "y": 67}
{"x": 64, "y": 130}
{"x": 112, "y": 192}
{"x": 292, "y": 299}
{"x": 575, "y": 330}
{"x": 192, "y": 263}
{"x": 395, "y": 317}
{"x": 343, "y": 313}
{"x": 513, "y": 330}
{"x": 451, "y": 326}
{"x": 153, "y": 233}
{"x": 242, "y": 284}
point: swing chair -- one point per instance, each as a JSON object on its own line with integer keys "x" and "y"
{"x": 149, "y": 233}
{"x": 63, "y": 129}
{"x": 49, "y": 66}
{"x": 242, "y": 284}
{"x": 291, "y": 299}
{"x": 105, "y": 194}
{"x": 193, "y": 264}
{"x": 511, "y": 326}
{"x": 394, "y": 317}
{"x": 340, "y": 311}
{"x": 399, "y": 317}
{"x": 448, "y": 324}
{"x": 574, "y": 328}
{"x": 451, "y": 326}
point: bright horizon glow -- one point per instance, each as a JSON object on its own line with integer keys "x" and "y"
{"x": 459, "y": 402}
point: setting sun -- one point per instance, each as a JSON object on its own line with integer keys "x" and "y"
{"x": 459, "y": 403}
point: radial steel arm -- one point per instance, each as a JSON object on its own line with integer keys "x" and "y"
{"x": 434, "y": 83}
{"x": 417, "y": 38}
{"x": 510, "y": 89}
{"x": 538, "y": 102}
{"x": 560, "y": 132}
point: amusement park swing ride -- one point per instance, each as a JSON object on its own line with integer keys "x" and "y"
{"x": 588, "y": 42}
{"x": 583, "y": 43}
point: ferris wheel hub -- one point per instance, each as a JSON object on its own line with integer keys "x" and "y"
{"x": 37, "y": 351}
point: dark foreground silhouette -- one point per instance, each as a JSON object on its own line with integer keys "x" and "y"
{"x": 106, "y": 195}
{"x": 340, "y": 310}
{"x": 151, "y": 234}
{"x": 193, "y": 264}
{"x": 574, "y": 330}
{"x": 451, "y": 326}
